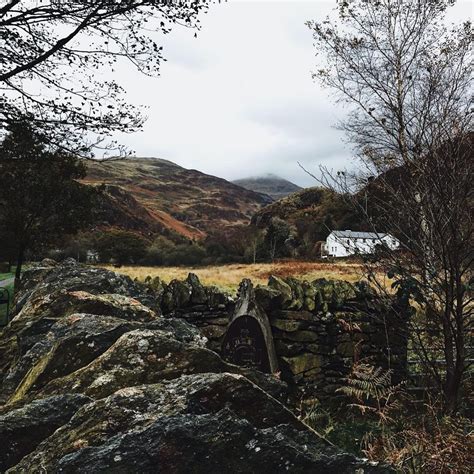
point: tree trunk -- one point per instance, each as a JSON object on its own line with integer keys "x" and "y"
{"x": 452, "y": 390}
{"x": 455, "y": 378}
{"x": 19, "y": 264}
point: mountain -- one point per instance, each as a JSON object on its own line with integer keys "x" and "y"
{"x": 269, "y": 184}
{"x": 151, "y": 194}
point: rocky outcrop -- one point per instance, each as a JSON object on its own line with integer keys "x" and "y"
{"x": 195, "y": 423}
{"x": 22, "y": 429}
{"x": 95, "y": 379}
{"x": 54, "y": 321}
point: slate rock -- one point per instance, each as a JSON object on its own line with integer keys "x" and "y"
{"x": 44, "y": 281}
{"x": 71, "y": 343}
{"x": 267, "y": 297}
{"x": 22, "y": 429}
{"x": 198, "y": 292}
{"x": 206, "y": 423}
{"x": 29, "y": 336}
{"x": 137, "y": 357}
{"x": 216, "y": 298}
{"x": 286, "y": 295}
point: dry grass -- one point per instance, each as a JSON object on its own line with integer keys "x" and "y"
{"x": 228, "y": 277}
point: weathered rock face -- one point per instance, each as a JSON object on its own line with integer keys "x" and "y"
{"x": 94, "y": 379}
{"x": 197, "y": 423}
{"x": 21, "y": 430}
{"x": 50, "y": 294}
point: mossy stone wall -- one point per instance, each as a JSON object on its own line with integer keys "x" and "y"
{"x": 319, "y": 328}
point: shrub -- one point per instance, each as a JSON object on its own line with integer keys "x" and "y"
{"x": 382, "y": 422}
{"x": 121, "y": 246}
{"x": 185, "y": 254}
{"x": 158, "y": 251}
{"x": 428, "y": 443}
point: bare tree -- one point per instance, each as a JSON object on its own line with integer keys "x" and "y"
{"x": 51, "y": 51}
{"x": 408, "y": 78}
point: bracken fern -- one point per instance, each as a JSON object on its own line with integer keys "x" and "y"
{"x": 373, "y": 391}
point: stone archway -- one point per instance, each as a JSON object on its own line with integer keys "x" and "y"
{"x": 249, "y": 341}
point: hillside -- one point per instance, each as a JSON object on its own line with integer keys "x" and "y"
{"x": 119, "y": 209}
{"x": 269, "y": 184}
{"x": 314, "y": 210}
{"x": 158, "y": 194}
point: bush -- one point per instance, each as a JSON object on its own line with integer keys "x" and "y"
{"x": 158, "y": 251}
{"x": 428, "y": 443}
{"x": 186, "y": 254}
{"x": 121, "y": 246}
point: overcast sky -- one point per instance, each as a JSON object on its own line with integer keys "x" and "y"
{"x": 239, "y": 100}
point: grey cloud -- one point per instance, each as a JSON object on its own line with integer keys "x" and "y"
{"x": 239, "y": 99}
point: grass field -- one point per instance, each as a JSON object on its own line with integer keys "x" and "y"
{"x": 228, "y": 277}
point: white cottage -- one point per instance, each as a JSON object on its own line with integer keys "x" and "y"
{"x": 343, "y": 243}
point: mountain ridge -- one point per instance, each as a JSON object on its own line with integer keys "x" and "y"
{"x": 186, "y": 201}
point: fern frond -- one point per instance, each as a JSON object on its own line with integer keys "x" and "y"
{"x": 373, "y": 390}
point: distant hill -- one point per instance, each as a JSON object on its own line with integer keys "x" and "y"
{"x": 151, "y": 194}
{"x": 316, "y": 209}
{"x": 269, "y": 184}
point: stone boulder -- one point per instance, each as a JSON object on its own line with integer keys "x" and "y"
{"x": 284, "y": 289}
{"x": 49, "y": 292}
{"x": 41, "y": 281}
{"x": 23, "y": 429}
{"x": 198, "y": 292}
{"x": 71, "y": 343}
{"x": 268, "y": 298}
{"x": 137, "y": 357}
{"x": 317, "y": 296}
{"x": 206, "y": 423}
{"x": 333, "y": 294}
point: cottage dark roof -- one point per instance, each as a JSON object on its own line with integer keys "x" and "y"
{"x": 350, "y": 234}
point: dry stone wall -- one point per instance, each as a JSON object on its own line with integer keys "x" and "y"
{"x": 206, "y": 307}
{"x": 319, "y": 328}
